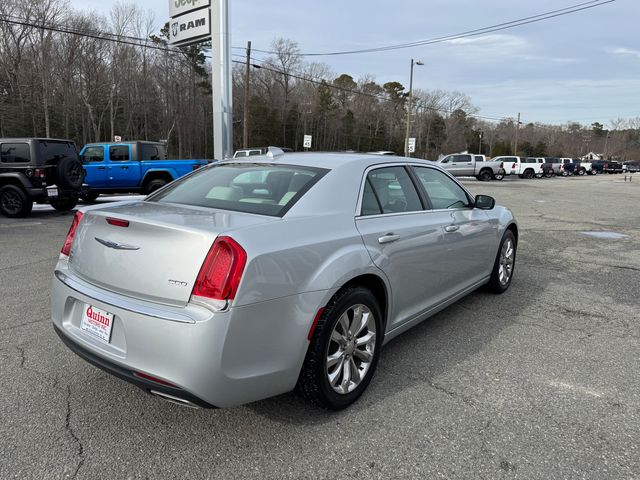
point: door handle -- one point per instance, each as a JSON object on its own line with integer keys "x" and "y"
{"x": 451, "y": 228}
{"x": 388, "y": 238}
{"x": 102, "y": 168}
{"x": 124, "y": 168}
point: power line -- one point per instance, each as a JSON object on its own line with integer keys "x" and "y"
{"x": 469, "y": 33}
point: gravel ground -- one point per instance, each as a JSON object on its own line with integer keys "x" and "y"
{"x": 539, "y": 383}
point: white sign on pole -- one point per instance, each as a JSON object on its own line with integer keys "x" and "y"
{"x": 117, "y": 138}
{"x": 307, "y": 141}
{"x": 190, "y": 27}
{"x": 178, "y": 7}
{"x": 412, "y": 145}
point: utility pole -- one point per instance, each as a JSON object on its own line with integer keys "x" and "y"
{"x": 480, "y": 147}
{"x": 515, "y": 152}
{"x": 221, "y": 81}
{"x": 406, "y": 139}
{"x": 245, "y": 118}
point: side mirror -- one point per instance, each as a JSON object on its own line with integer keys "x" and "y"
{"x": 485, "y": 202}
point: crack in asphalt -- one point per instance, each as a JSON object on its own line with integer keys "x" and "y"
{"x": 67, "y": 426}
{"x": 27, "y": 264}
{"x": 13, "y": 327}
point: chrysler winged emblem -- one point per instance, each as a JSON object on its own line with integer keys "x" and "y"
{"x": 116, "y": 245}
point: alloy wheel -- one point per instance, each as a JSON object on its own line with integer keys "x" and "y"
{"x": 505, "y": 269}
{"x": 11, "y": 202}
{"x": 351, "y": 349}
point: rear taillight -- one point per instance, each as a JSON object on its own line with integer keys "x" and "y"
{"x": 221, "y": 271}
{"x": 40, "y": 173}
{"x": 501, "y": 164}
{"x": 66, "y": 248}
{"x": 513, "y": 166}
{"x": 196, "y": 167}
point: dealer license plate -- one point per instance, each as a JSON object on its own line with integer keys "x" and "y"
{"x": 97, "y": 322}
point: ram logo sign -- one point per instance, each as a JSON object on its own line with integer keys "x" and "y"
{"x": 190, "y": 27}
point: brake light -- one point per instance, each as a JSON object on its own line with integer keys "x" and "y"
{"x": 513, "y": 166}
{"x": 40, "y": 173}
{"x": 501, "y": 164}
{"x": 221, "y": 271}
{"x": 117, "y": 222}
{"x": 66, "y": 248}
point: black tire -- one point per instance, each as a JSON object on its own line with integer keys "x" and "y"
{"x": 313, "y": 383}
{"x": 89, "y": 197}
{"x": 528, "y": 174}
{"x": 582, "y": 172}
{"x": 154, "y": 185}
{"x": 499, "y": 176}
{"x": 14, "y": 202}
{"x": 485, "y": 175}
{"x": 495, "y": 285}
{"x": 69, "y": 173}
{"x": 64, "y": 204}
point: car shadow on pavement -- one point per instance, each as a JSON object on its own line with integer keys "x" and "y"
{"x": 419, "y": 357}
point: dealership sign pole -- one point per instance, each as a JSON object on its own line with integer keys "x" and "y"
{"x": 194, "y": 21}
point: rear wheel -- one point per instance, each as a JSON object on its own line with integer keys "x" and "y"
{"x": 528, "y": 174}
{"x": 502, "y": 272}
{"x": 89, "y": 197}
{"x": 14, "y": 202}
{"x": 344, "y": 350}
{"x": 64, "y": 204}
{"x": 485, "y": 175}
{"x": 499, "y": 175}
{"x": 154, "y": 185}
{"x": 582, "y": 172}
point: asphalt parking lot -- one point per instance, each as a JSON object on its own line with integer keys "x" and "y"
{"x": 539, "y": 383}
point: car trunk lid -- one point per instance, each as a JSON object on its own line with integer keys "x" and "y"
{"x": 152, "y": 251}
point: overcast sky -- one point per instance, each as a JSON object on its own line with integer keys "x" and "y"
{"x": 581, "y": 67}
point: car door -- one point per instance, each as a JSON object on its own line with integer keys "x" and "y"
{"x": 470, "y": 235}
{"x": 401, "y": 239}
{"x": 121, "y": 167}
{"x": 463, "y": 165}
{"x": 95, "y": 164}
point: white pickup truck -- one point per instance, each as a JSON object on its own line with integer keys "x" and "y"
{"x": 524, "y": 167}
{"x": 469, "y": 165}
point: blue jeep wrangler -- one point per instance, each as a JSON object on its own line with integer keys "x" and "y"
{"x": 130, "y": 167}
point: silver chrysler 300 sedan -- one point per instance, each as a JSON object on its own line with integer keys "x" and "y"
{"x": 250, "y": 278}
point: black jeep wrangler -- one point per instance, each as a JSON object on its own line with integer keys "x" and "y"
{"x": 40, "y": 170}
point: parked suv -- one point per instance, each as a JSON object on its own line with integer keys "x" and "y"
{"x": 41, "y": 170}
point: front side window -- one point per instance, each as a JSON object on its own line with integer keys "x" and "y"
{"x": 14, "y": 153}
{"x": 93, "y": 155}
{"x": 394, "y": 190}
{"x": 119, "y": 153}
{"x": 252, "y": 188}
{"x": 443, "y": 192}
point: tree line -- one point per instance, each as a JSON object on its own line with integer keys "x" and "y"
{"x": 70, "y": 81}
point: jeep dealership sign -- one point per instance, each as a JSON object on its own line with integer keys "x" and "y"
{"x": 190, "y": 27}
{"x": 178, "y": 7}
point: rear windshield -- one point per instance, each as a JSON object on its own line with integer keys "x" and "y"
{"x": 263, "y": 189}
{"x": 52, "y": 152}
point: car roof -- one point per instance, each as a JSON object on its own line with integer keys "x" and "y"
{"x": 327, "y": 160}
{"x": 27, "y": 139}
{"x": 127, "y": 142}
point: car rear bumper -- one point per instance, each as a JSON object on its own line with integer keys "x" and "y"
{"x": 218, "y": 359}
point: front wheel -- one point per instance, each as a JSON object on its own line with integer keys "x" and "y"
{"x": 344, "y": 350}
{"x": 502, "y": 272}
{"x": 582, "y": 172}
{"x": 64, "y": 204}
{"x": 499, "y": 175}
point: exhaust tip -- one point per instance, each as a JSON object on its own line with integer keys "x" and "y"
{"x": 172, "y": 399}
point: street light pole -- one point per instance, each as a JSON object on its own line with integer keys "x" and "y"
{"x": 406, "y": 138}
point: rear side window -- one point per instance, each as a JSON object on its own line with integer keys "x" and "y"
{"x": 52, "y": 152}
{"x": 443, "y": 192}
{"x": 263, "y": 189}
{"x": 154, "y": 152}
{"x": 393, "y": 190}
{"x": 93, "y": 155}
{"x": 14, "y": 153}
{"x": 119, "y": 153}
